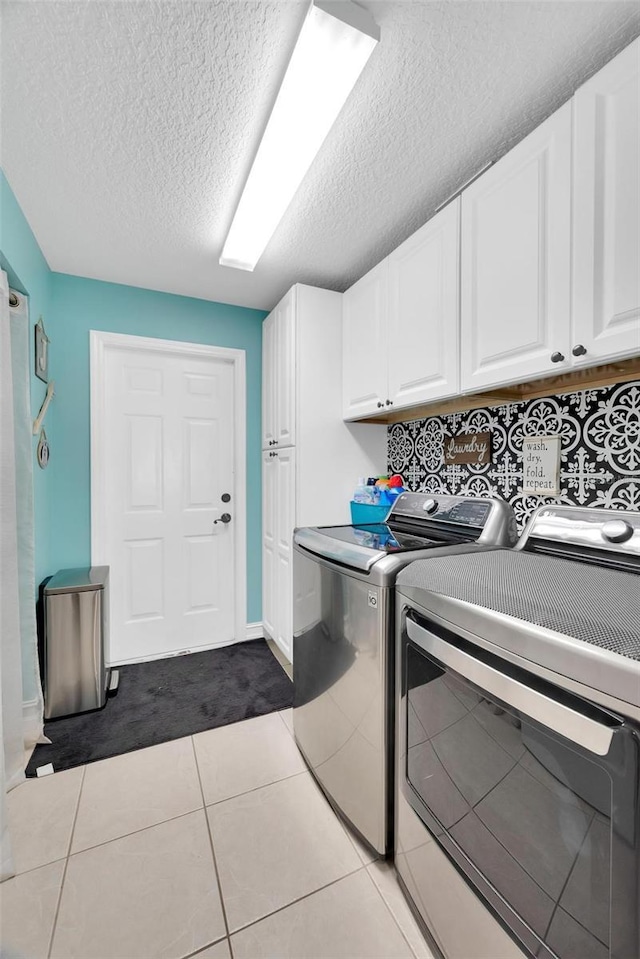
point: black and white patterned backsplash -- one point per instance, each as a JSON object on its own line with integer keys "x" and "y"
{"x": 600, "y": 459}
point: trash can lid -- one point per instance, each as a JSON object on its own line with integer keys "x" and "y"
{"x": 78, "y": 580}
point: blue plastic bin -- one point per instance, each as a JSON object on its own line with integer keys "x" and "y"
{"x": 366, "y": 513}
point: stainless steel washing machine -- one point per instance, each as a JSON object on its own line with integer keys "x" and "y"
{"x": 343, "y": 663}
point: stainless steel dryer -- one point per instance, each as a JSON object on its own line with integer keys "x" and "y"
{"x": 343, "y": 662}
{"x": 518, "y": 742}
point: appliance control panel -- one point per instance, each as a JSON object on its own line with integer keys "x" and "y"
{"x": 439, "y": 508}
{"x": 595, "y": 528}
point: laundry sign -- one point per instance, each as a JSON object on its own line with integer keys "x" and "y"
{"x": 472, "y": 448}
{"x": 541, "y": 464}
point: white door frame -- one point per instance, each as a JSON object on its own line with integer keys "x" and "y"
{"x": 99, "y": 342}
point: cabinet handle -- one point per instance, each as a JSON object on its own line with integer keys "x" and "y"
{"x": 579, "y": 350}
{"x": 557, "y": 357}
{"x": 380, "y": 404}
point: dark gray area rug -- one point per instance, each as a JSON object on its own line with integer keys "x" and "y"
{"x": 167, "y": 699}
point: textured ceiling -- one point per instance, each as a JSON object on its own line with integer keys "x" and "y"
{"x": 128, "y": 128}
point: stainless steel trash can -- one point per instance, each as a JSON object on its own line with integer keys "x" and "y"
{"x": 75, "y": 626}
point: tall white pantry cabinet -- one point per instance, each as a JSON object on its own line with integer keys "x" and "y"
{"x": 311, "y": 458}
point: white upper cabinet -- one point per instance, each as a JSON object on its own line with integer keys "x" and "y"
{"x": 515, "y": 271}
{"x": 606, "y": 236}
{"x": 400, "y": 324}
{"x": 285, "y": 426}
{"x": 268, "y": 381}
{"x": 364, "y": 358}
{"x": 278, "y": 375}
{"x": 423, "y": 312}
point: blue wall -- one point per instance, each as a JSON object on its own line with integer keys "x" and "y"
{"x": 27, "y": 269}
{"x": 72, "y": 306}
{"x": 81, "y": 305}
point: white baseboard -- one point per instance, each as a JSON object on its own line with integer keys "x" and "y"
{"x": 253, "y": 631}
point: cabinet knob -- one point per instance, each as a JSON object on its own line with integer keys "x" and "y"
{"x": 389, "y": 402}
{"x": 557, "y": 357}
{"x": 579, "y": 350}
{"x": 380, "y": 404}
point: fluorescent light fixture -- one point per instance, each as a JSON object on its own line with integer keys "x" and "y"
{"x": 335, "y": 42}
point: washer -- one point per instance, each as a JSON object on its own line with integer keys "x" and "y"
{"x": 343, "y": 636}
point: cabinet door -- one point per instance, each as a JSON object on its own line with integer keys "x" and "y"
{"x": 606, "y": 217}
{"x": 423, "y": 307}
{"x": 515, "y": 280}
{"x": 364, "y": 344}
{"x": 268, "y": 380}
{"x": 285, "y": 386}
{"x": 285, "y": 522}
{"x": 269, "y": 522}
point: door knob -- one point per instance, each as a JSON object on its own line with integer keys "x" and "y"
{"x": 557, "y": 357}
{"x": 579, "y": 350}
{"x": 225, "y": 497}
{"x": 225, "y": 518}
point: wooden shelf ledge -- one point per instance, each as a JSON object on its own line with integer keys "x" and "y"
{"x": 594, "y": 377}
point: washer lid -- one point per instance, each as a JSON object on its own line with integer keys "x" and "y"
{"x": 360, "y": 546}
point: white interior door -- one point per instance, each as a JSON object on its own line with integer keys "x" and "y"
{"x": 168, "y": 441}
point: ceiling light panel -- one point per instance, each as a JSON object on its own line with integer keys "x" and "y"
{"x": 333, "y": 47}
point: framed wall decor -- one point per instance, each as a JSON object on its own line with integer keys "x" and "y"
{"x": 541, "y": 464}
{"x": 41, "y": 352}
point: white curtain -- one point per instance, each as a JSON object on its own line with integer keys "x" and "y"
{"x": 21, "y": 712}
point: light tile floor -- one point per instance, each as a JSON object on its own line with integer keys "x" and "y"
{"x": 218, "y": 845}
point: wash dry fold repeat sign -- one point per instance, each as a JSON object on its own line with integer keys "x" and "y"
{"x": 541, "y": 464}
